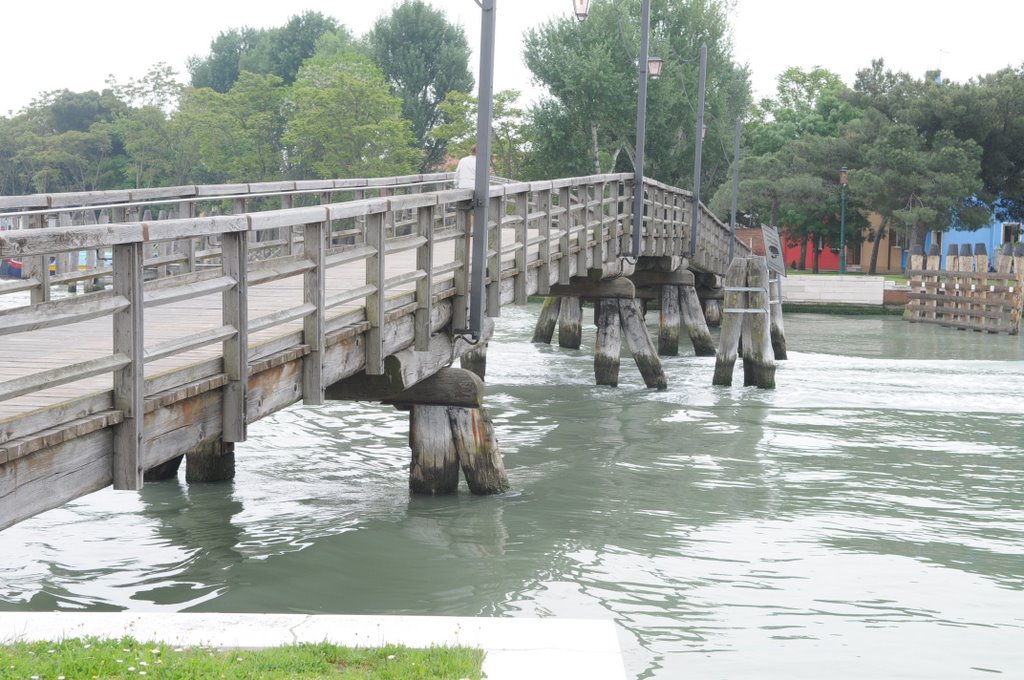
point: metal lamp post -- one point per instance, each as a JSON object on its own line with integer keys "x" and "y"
{"x": 842, "y": 219}
{"x": 482, "y": 184}
{"x": 644, "y": 65}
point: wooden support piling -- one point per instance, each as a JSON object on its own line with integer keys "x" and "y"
{"x": 778, "y": 329}
{"x": 212, "y": 461}
{"x": 732, "y": 322}
{"x": 640, "y": 344}
{"x": 713, "y": 313}
{"x": 435, "y": 462}
{"x": 475, "y": 360}
{"x": 669, "y": 321}
{"x": 549, "y": 313}
{"x": 607, "y": 343}
{"x": 570, "y": 323}
{"x": 696, "y": 324}
{"x": 478, "y": 451}
{"x": 758, "y": 356}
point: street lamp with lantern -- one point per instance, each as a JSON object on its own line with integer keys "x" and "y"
{"x": 842, "y": 219}
{"x": 582, "y": 8}
{"x": 654, "y": 65}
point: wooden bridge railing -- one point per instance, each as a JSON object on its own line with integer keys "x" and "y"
{"x": 97, "y": 388}
{"x": 120, "y": 206}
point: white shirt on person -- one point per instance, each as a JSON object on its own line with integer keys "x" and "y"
{"x": 465, "y": 173}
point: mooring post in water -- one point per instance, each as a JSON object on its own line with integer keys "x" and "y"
{"x": 446, "y": 436}
{"x": 548, "y": 319}
{"x": 607, "y": 342}
{"x": 212, "y": 461}
{"x": 570, "y": 323}
{"x": 758, "y": 356}
{"x": 475, "y": 360}
{"x": 778, "y": 329}
{"x": 933, "y": 264}
{"x": 478, "y": 452}
{"x": 669, "y": 321}
{"x": 695, "y": 322}
{"x": 735, "y": 300}
{"x": 640, "y": 344}
{"x": 713, "y": 312}
{"x": 435, "y": 462}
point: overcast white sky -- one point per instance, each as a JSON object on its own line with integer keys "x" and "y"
{"x": 55, "y": 44}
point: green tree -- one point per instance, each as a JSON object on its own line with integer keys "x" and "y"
{"x": 510, "y": 147}
{"x": 237, "y": 134}
{"x": 423, "y": 58}
{"x": 276, "y": 51}
{"x": 913, "y": 183}
{"x": 343, "y": 121}
{"x": 589, "y": 70}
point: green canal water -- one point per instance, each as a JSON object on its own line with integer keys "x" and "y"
{"x": 864, "y": 520}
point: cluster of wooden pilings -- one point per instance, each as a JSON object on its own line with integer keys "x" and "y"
{"x": 620, "y": 305}
{"x": 966, "y": 295}
{"x": 449, "y": 428}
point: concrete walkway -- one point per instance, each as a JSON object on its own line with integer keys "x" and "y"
{"x": 516, "y": 648}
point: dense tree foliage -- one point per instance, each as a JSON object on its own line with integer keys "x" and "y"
{"x": 424, "y": 58}
{"x": 590, "y": 72}
{"x": 275, "y": 51}
{"x": 307, "y": 99}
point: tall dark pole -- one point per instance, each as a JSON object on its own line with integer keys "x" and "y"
{"x": 481, "y": 192}
{"x": 735, "y": 187}
{"x": 842, "y": 220}
{"x": 641, "y": 126}
{"x": 695, "y": 208}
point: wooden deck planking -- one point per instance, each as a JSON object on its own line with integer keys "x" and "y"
{"x": 91, "y": 339}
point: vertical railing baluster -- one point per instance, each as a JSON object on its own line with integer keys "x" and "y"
{"x": 544, "y": 229}
{"x": 126, "y": 468}
{"x": 564, "y": 261}
{"x": 236, "y": 314}
{"x": 522, "y": 238}
{"x": 425, "y": 285}
{"x": 37, "y": 266}
{"x": 460, "y": 303}
{"x": 496, "y": 212}
{"x": 375, "y": 275}
{"x": 314, "y": 293}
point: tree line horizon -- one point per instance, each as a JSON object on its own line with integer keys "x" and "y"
{"x": 309, "y": 99}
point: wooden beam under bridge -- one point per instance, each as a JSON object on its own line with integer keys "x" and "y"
{"x": 409, "y": 376}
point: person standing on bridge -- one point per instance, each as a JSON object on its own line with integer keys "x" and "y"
{"x": 465, "y": 171}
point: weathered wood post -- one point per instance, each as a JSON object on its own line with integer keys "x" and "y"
{"x": 545, "y": 328}
{"x": 931, "y": 282}
{"x": 477, "y": 448}
{"x": 475, "y": 360}
{"x": 607, "y": 343}
{"x": 669, "y": 320}
{"x": 640, "y": 344}
{"x": 435, "y": 460}
{"x": 713, "y": 312}
{"x": 696, "y": 324}
{"x": 735, "y": 300}
{"x": 778, "y": 329}
{"x": 758, "y": 356}
{"x": 570, "y": 323}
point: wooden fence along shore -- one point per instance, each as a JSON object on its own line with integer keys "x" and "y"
{"x": 200, "y": 323}
{"x": 967, "y": 295}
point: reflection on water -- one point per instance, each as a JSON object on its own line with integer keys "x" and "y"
{"x": 866, "y": 519}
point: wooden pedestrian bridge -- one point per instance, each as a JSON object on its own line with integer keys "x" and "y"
{"x": 200, "y": 309}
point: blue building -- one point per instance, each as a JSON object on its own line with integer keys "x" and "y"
{"x": 993, "y": 235}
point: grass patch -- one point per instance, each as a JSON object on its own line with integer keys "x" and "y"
{"x": 128, "y": 658}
